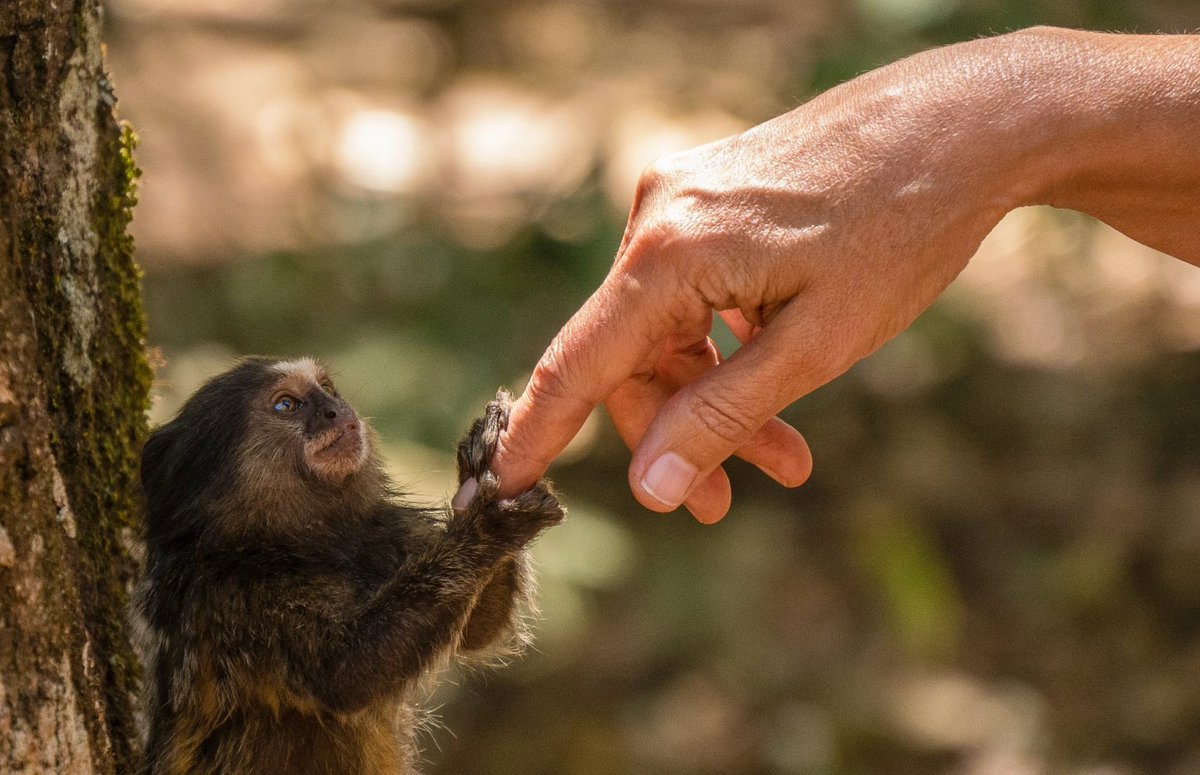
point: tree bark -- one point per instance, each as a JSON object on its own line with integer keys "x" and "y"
{"x": 73, "y": 392}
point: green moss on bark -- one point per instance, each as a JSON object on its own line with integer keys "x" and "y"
{"x": 104, "y": 432}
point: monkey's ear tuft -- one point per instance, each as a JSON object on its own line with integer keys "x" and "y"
{"x": 158, "y": 467}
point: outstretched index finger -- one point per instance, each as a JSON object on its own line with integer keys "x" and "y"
{"x": 613, "y": 336}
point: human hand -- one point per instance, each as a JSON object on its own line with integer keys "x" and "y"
{"x": 817, "y": 236}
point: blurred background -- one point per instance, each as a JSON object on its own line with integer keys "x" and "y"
{"x": 995, "y": 569}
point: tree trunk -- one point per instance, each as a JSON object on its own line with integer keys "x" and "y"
{"x": 73, "y": 393}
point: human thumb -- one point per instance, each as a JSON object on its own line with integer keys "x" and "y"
{"x": 718, "y": 414}
{"x": 701, "y": 426}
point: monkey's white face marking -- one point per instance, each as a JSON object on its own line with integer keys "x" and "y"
{"x": 302, "y": 367}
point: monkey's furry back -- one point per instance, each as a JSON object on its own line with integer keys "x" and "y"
{"x": 286, "y": 643}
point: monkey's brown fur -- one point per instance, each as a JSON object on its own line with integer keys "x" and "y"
{"x": 291, "y": 599}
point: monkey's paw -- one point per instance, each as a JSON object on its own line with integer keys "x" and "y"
{"x": 476, "y": 449}
{"x": 516, "y": 521}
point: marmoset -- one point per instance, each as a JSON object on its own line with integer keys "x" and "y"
{"x": 291, "y": 598}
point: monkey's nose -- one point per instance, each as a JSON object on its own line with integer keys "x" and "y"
{"x": 330, "y": 414}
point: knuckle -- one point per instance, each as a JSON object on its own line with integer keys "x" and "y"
{"x": 720, "y": 282}
{"x": 662, "y": 257}
{"x": 723, "y": 419}
{"x": 666, "y": 217}
{"x": 662, "y": 238}
{"x": 650, "y": 181}
{"x": 680, "y": 249}
{"x": 553, "y": 378}
{"x": 659, "y": 174}
{"x": 698, "y": 349}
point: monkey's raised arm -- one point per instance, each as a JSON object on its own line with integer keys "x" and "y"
{"x": 474, "y": 568}
{"x": 496, "y": 624}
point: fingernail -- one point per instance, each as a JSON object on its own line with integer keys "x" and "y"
{"x": 669, "y": 478}
{"x": 466, "y": 492}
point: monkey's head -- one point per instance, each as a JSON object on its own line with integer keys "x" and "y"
{"x": 267, "y": 440}
{"x": 301, "y": 415}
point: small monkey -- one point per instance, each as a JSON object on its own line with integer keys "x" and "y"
{"x": 291, "y": 598}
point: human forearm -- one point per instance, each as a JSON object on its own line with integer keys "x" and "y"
{"x": 1126, "y": 145}
{"x": 1108, "y": 124}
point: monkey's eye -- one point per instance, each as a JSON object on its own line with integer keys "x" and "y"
{"x": 328, "y": 388}
{"x": 286, "y": 404}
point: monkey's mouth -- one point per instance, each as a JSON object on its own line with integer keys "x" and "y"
{"x": 338, "y": 452}
{"x": 346, "y": 441}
